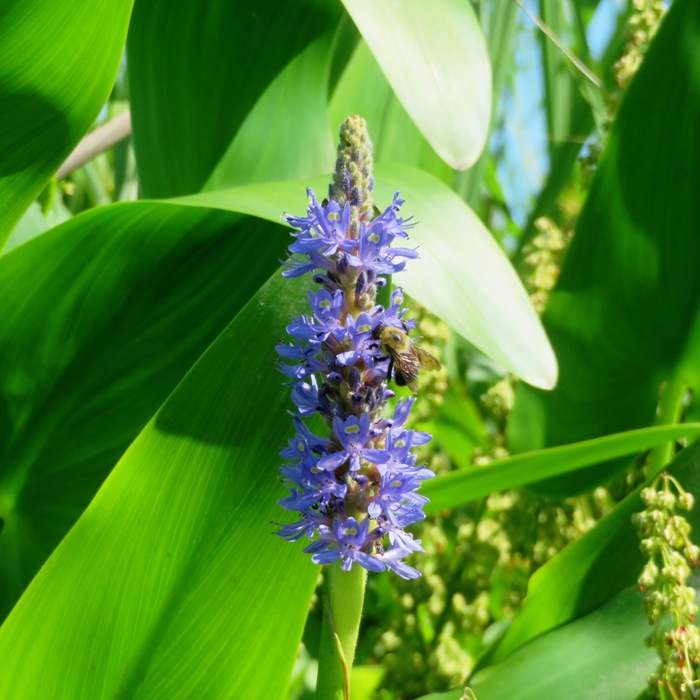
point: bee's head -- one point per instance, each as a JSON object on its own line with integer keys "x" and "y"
{"x": 392, "y": 336}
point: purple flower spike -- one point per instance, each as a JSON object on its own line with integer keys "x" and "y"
{"x": 355, "y": 490}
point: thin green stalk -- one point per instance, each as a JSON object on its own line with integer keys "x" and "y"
{"x": 341, "y": 623}
{"x": 670, "y": 407}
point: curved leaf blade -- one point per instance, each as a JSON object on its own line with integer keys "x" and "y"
{"x": 469, "y": 484}
{"x": 169, "y": 585}
{"x": 464, "y": 277}
{"x": 60, "y": 58}
{"x": 461, "y": 275}
{"x": 267, "y": 147}
{"x": 580, "y": 660}
{"x": 435, "y": 58}
{"x": 196, "y": 72}
{"x": 595, "y": 568}
{"x": 102, "y": 317}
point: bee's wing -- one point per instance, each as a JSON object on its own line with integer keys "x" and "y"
{"x": 406, "y": 368}
{"x": 428, "y": 361}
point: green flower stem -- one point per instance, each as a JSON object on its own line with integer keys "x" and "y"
{"x": 670, "y": 407}
{"x": 341, "y": 623}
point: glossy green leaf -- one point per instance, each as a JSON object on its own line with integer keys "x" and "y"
{"x": 59, "y": 60}
{"x": 596, "y": 567}
{"x": 196, "y": 72}
{"x": 435, "y": 58}
{"x": 267, "y": 145}
{"x": 88, "y": 398}
{"x": 462, "y": 275}
{"x": 363, "y": 89}
{"x": 171, "y": 584}
{"x": 623, "y": 312}
{"x": 101, "y": 318}
{"x": 34, "y": 222}
{"x": 601, "y": 656}
{"x": 469, "y": 484}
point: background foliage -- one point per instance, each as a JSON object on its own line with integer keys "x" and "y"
{"x": 140, "y": 414}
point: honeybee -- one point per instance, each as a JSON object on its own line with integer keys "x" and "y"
{"x": 405, "y": 357}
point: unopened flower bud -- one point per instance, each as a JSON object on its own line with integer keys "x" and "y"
{"x": 686, "y": 500}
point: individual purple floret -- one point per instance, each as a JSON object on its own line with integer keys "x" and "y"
{"x": 356, "y": 490}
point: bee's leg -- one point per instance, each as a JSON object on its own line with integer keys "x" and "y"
{"x": 389, "y": 369}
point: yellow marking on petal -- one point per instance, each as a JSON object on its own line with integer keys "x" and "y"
{"x": 364, "y": 328}
{"x": 352, "y": 429}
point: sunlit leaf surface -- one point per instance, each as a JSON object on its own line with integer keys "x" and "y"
{"x": 462, "y": 275}
{"x": 435, "y": 58}
{"x": 59, "y": 60}
{"x": 172, "y": 585}
{"x": 101, "y": 318}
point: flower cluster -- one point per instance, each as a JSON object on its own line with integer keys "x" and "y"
{"x": 666, "y": 541}
{"x": 642, "y": 26}
{"x": 355, "y": 490}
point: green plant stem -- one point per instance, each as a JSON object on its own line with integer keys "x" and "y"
{"x": 341, "y": 623}
{"x": 670, "y": 407}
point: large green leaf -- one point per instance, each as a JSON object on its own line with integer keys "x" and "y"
{"x": 172, "y": 585}
{"x": 196, "y": 70}
{"x": 101, "y": 318}
{"x": 119, "y": 285}
{"x": 59, "y": 60}
{"x": 363, "y": 89}
{"x": 623, "y": 312}
{"x": 595, "y": 568}
{"x": 462, "y": 275}
{"x": 601, "y": 656}
{"x": 435, "y": 58}
{"x": 267, "y": 146}
{"x": 469, "y": 484}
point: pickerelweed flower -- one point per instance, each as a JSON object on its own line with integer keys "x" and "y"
{"x": 356, "y": 490}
